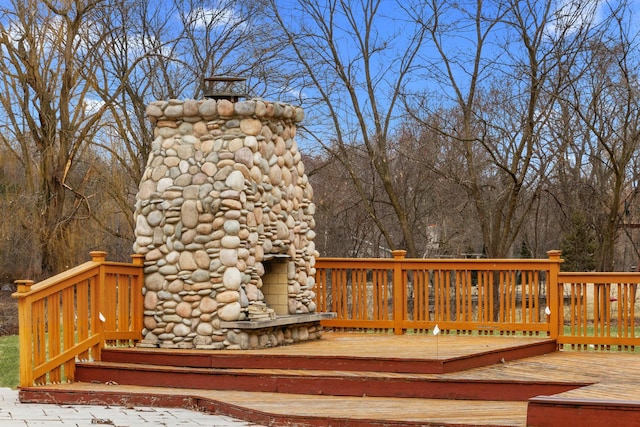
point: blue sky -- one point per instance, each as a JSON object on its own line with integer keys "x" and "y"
{"x": 393, "y": 29}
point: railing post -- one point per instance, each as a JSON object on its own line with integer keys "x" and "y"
{"x": 554, "y": 301}
{"x": 97, "y": 310}
{"x": 25, "y": 329}
{"x": 138, "y": 304}
{"x": 399, "y": 292}
{"x": 98, "y": 256}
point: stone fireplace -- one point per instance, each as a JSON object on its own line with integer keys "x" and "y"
{"x": 224, "y": 219}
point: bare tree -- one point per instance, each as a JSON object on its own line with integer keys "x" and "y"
{"x": 47, "y": 50}
{"x": 604, "y": 98}
{"x": 445, "y": 221}
{"x": 76, "y": 79}
{"x": 352, "y": 63}
{"x": 500, "y": 85}
{"x": 344, "y": 230}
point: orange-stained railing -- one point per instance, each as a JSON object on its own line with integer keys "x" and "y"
{"x": 581, "y": 310}
{"x": 72, "y": 315}
{"x": 598, "y": 310}
{"x": 487, "y": 295}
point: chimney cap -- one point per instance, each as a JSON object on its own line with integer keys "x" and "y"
{"x": 231, "y": 88}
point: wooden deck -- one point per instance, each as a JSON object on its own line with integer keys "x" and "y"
{"x": 602, "y": 380}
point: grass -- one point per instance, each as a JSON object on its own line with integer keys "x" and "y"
{"x": 9, "y": 361}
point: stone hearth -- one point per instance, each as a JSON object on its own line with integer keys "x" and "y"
{"x": 224, "y": 219}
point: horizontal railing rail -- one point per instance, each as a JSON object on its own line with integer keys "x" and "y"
{"x": 72, "y": 315}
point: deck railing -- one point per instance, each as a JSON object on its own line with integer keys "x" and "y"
{"x": 599, "y": 310}
{"x": 462, "y": 295}
{"x": 72, "y": 315}
{"x": 503, "y": 296}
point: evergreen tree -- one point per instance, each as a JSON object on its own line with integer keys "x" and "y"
{"x": 579, "y": 245}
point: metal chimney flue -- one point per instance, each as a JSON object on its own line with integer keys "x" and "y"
{"x": 225, "y": 87}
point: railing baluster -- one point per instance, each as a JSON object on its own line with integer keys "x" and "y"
{"x": 53, "y": 334}
{"x": 483, "y": 296}
{"x": 40, "y": 337}
{"x": 84, "y": 290}
{"x": 399, "y": 292}
{"x": 68, "y": 330}
{"x": 621, "y": 295}
{"x": 447, "y": 296}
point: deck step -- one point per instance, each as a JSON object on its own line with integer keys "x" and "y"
{"x": 296, "y": 371}
{"x": 601, "y": 404}
{"x": 281, "y": 409}
{"x": 275, "y": 359}
{"x": 314, "y": 382}
{"x": 557, "y": 411}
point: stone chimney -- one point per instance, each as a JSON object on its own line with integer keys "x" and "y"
{"x": 224, "y": 219}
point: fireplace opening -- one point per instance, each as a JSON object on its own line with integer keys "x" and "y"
{"x": 275, "y": 284}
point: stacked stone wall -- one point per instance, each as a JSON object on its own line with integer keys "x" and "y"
{"x": 224, "y": 190}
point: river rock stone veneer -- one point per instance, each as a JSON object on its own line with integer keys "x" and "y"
{"x": 223, "y": 201}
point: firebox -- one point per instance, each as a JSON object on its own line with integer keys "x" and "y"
{"x": 275, "y": 285}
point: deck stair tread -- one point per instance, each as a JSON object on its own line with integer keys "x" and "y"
{"x": 343, "y": 383}
{"x": 475, "y": 375}
{"x": 417, "y": 356}
{"x": 300, "y": 410}
{"x": 604, "y": 392}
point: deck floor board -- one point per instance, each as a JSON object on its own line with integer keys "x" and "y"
{"x": 410, "y": 346}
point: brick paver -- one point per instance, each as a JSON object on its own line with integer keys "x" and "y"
{"x": 16, "y": 414}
